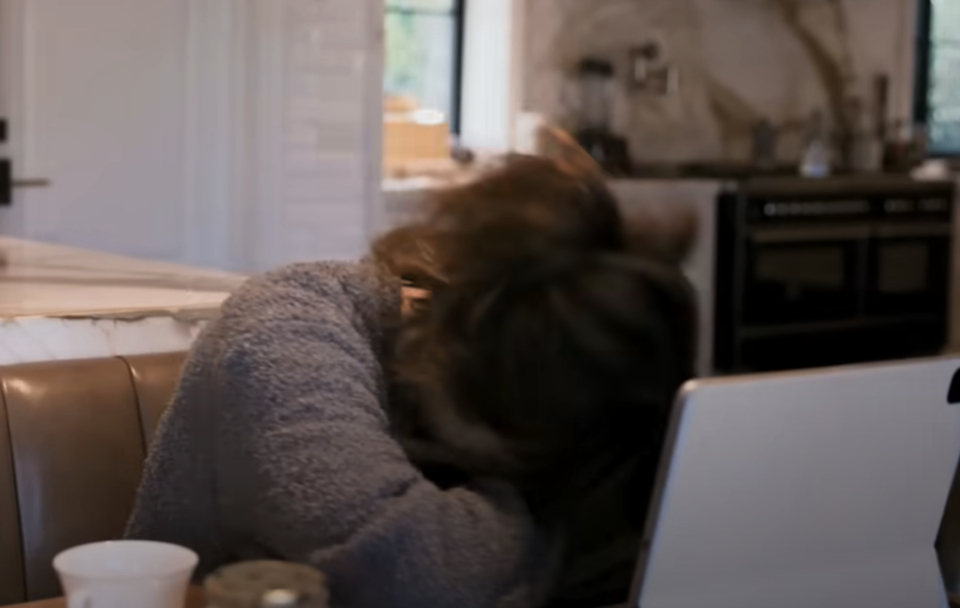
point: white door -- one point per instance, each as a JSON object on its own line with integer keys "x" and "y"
{"x": 95, "y": 94}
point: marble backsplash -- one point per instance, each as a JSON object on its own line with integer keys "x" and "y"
{"x": 736, "y": 61}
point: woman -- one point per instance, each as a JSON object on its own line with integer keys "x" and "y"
{"x": 528, "y": 391}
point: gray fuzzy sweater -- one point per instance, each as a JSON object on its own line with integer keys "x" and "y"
{"x": 277, "y": 446}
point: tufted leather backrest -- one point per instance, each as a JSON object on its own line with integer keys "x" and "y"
{"x": 154, "y": 379}
{"x": 73, "y": 436}
{"x": 12, "y": 588}
{"x": 72, "y": 440}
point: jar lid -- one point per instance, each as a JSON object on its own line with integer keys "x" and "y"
{"x": 266, "y": 584}
{"x": 280, "y": 598}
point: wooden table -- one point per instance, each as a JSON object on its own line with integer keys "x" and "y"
{"x": 194, "y": 600}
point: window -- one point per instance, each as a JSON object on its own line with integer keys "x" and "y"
{"x": 937, "y": 102}
{"x": 421, "y": 79}
{"x": 423, "y": 53}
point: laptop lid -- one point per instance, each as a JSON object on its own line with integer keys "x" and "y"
{"x": 793, "y": 490}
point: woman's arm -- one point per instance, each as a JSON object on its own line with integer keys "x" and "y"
{"x": 311, "y": 473}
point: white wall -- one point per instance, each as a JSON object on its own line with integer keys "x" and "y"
{"x": 240, "y": 134}
{"x": 319, "y": 96}
{"x": 95, "y": 91}
{"x": 738, "y": 61}
{"x": 215, "y": 132}
{"x": 487, "y": 96}
{"x": 299, "y": 149}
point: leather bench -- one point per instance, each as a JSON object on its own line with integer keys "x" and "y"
{"x": 73, "y": 436}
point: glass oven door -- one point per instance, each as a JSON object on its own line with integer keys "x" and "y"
{"x": 803, "y": 274}
{"x": 909, "y": 270}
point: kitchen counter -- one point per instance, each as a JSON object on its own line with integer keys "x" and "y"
{"x": 65, "y": 303}
{"x": 643, "y": 195}
{"x": 648, "y": 198}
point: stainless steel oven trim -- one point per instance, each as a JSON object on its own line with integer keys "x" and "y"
{"x": 914, "y": 230}
{"x": 800, "y": 235}
{"x": 771, "y": 235}
{"x": 753, "y": 332}
{"x": 739, "y": 276}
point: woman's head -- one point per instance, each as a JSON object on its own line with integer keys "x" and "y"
{"x": 555, "y": 335}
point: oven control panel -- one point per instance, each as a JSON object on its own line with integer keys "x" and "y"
{"x": 815, "y": 208}
{"x": 764, "y": 211}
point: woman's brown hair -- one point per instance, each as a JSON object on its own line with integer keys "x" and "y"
{"x": 555, "y": 337}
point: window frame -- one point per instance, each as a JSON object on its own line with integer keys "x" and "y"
{"x": 923, "y": 49}
{"x": 458, "y": 13}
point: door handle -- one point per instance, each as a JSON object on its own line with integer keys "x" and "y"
{"x": 32, "y": 182}
{"x": 8, "y": 183}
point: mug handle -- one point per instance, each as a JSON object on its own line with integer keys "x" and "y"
{"x": 78, "y": 599}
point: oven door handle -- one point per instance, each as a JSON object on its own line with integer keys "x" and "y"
{"x": 804, "y": 235}
{"x": 914, "y": 230}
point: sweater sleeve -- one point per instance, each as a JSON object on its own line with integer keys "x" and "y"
{"x": 312, "y": 473}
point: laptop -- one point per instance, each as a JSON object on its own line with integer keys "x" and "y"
{"x": 794, "y": 490}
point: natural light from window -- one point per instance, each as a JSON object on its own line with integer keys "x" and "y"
{"x": 944, "y": 88}
{"x": 421, "y": 82}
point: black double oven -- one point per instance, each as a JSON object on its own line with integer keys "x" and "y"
{"x": 825, "y": 272}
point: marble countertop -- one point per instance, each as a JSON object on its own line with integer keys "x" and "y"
{"x": 37, "y": 279}
{"x": 65, "y": 303}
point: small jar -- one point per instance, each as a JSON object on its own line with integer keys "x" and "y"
{"x": 266, "y": 584}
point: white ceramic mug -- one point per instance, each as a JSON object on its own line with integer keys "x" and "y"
{"x": 125, "y": 573}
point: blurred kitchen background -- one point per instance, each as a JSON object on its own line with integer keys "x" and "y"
{"x": 698, "y": 82}
{"x": 815, "y": 140}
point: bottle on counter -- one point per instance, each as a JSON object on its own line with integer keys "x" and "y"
{"x": 266, "y": 584}
{"x": 764, "y": 144}
{"x": 866, "y": 147}
{"x": 816, "y": 155}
